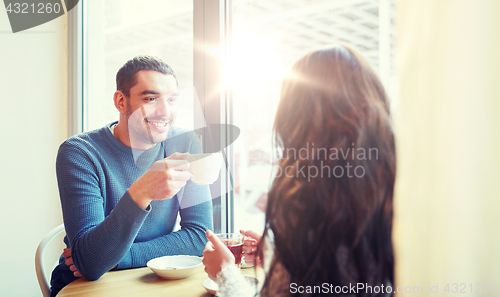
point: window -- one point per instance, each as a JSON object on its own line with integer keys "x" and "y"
{"x": 236, "y": 53}
{"x": 118, "y": 30}
{"x": 268, "y": 37}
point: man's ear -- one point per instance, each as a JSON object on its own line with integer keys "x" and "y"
{"x": 119, "y": 100}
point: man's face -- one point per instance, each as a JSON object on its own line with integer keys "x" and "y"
{"x": 151, "y": 108}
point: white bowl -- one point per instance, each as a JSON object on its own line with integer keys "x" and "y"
{"x": 174, "y": 267}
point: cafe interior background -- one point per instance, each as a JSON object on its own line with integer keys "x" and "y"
{"x": 438, "y": 60}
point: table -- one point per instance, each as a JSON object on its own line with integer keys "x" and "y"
{"x": 143, "y": 282}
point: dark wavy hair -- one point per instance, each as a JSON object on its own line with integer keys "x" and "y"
{"x": 333, "y": 228}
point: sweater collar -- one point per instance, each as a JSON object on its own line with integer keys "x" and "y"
{"x": 142, "y": 158}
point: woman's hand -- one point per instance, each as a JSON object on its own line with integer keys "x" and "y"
{"x": 216, "y": 255}
{"x": 69, "y": 262}
{"x": 252, "y": 239}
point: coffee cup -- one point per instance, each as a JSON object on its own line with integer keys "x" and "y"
{"x": 204, "y": 168}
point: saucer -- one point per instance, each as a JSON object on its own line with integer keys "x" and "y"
{"x": 212, "y": 287}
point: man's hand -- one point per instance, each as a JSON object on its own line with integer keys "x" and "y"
{"x": 161, "y": 182}
{"x": 69, "y": 262}
{"x": 216, "y": 255}
{"x": 252, "y": 239}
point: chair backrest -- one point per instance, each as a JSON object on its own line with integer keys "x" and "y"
{"x": 43, "y": 280}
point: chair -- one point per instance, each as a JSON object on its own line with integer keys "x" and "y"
{"x": 43, "y": 280}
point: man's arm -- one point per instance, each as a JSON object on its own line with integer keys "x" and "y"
{"x": 97, "y": 243}
{"x": 196, "y": 217}
{"x": 190, "y": 240}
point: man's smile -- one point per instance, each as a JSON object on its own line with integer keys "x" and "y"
{"x": 158, "y": 125}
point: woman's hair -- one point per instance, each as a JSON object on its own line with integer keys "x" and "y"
{"x": 330, "y": 205}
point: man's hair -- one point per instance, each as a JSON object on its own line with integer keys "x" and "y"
{"x": 126, "y": 76}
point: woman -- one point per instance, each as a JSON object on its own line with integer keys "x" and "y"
{"x": 331, "y": 222}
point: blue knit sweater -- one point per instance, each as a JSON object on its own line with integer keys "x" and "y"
{"x": 104, "y": 226}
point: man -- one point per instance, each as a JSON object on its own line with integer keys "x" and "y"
{"x": 119, "y": 198}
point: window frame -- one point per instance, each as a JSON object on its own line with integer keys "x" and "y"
{"x": 210, "y": 29}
